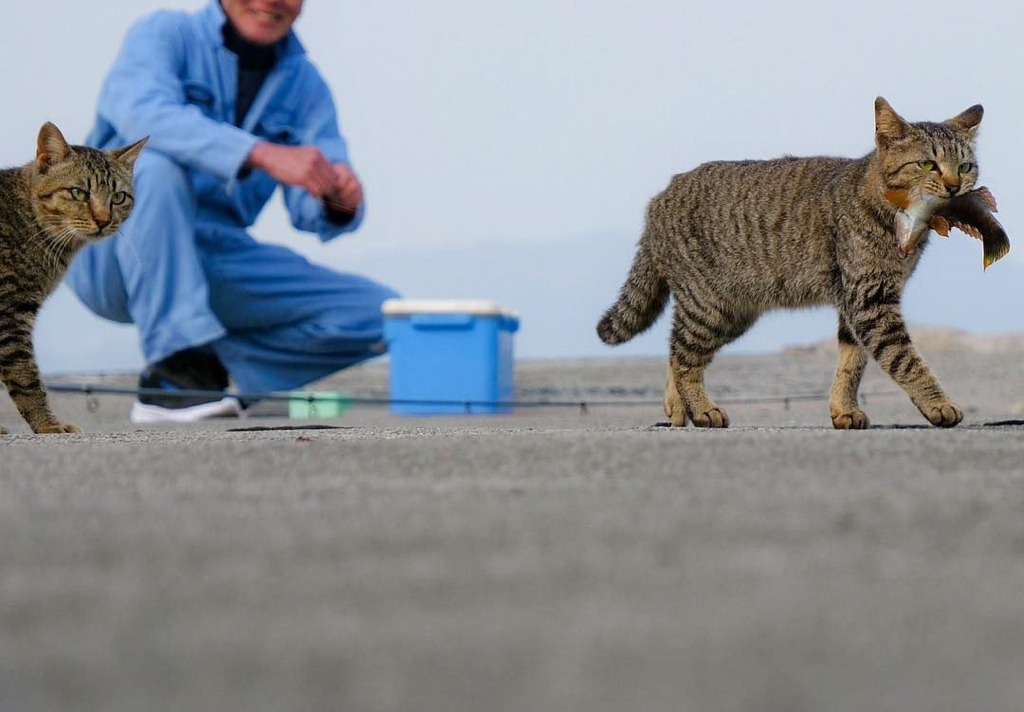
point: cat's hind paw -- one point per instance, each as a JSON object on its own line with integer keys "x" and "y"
{"x": 943, "y": 415}
{"x": 852, "y": 420}
{"x": 59, "y": 429}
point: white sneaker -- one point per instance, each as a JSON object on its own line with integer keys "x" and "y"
{"x": 224, "y": 408}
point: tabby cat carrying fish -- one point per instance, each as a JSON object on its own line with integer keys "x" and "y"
{"x": 731, "y": 240}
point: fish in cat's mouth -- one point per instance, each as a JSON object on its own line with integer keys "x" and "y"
{"x": 969, "y": 212}
{"x": 912, "y": 220}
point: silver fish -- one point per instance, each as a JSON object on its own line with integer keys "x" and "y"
{"x": 970, "y": 213}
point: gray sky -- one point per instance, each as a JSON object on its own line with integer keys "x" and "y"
{"x": 509, "y": 149}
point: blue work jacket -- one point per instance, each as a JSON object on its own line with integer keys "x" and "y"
{"x": 175, "y": 82}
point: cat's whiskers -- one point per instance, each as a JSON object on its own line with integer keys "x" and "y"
{"x": 67, "y": 242}
{"x": 53, "y": 252}
{"x": 55, "y": 246}
{"x": 44, "y": 237}
{"x": 48, "y": 238}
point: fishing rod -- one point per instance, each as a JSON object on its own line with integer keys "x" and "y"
{"x": 94, "y": 390}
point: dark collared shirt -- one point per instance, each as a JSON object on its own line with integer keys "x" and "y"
{"x": 254, "y": 64}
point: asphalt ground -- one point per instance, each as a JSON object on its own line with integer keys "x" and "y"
{"x": 544, "y": 560}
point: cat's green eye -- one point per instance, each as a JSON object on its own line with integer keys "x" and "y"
{"x": 966, "y": 167}
{"x": 78, "y": 193}
{"x": 928, "y": 165}
{"x": 118, "y": 197}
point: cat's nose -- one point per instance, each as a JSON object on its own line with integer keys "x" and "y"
{"x": 952, "y": 189}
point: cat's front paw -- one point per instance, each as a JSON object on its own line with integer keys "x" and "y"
{"x": 59, "y": 429}
{"x": 3, "y": 431}
{"x": 712, "y": 418}
{"x": 944, "y": 414}
{"x": 855, "y": 419}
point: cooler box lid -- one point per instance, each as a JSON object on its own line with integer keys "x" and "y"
{"x": 476, "y": 307}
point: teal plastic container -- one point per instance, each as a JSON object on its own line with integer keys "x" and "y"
{"x": 304, "y": 405}
{"x": 449, "y": 356}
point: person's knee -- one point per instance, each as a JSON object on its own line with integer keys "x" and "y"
{"x": 361, "y": 301}
{"x": 162, "y": 222}
{"x": 356, "y": 320}
{"x": 382, "y": 293}
{"x": 160, "y": 179}
{"x": 376, "y": 295}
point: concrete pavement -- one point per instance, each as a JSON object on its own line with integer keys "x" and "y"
{"x": 539, "y": 561}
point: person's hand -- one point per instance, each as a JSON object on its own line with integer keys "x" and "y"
{"x": 346, "y": 194}
{"x": 302, "y": 166}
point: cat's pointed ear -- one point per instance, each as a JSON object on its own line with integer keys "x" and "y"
{"x": 968, "y": 120}
{"x": 889, "y": 126}
{"x": 128, "y": 154}
{"x": 51, "y": 148}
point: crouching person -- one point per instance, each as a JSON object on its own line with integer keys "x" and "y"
{"x": 234, "y": 109}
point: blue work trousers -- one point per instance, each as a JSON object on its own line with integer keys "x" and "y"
{"x": 185, "y": 278}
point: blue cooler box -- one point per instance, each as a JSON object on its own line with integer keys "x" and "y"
{"x": 453, "y": 356}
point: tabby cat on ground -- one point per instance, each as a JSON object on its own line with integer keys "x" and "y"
{"x": 49, "y": 209}
{"x": 731, "y": 240}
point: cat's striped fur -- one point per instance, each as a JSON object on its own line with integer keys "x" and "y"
{"x": 49, "y": 209}
{"x": 732, "y": 240}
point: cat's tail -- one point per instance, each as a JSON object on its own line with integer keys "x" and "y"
{"x": 641, "y": 300}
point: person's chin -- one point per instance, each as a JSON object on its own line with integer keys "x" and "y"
{"x": 266, "y": 40}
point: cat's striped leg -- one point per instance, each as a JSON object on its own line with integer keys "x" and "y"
{"x": 699, "y": 330}
{"x": 26, "y": 390}
{"x": 843, "y": 407}
{"x": 691, "y": 399}
{"x": 20, "y": 376}
{"x": 873, "y": 313}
